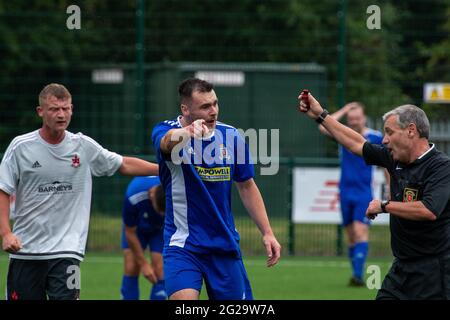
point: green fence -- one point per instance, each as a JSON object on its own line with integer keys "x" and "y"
{"x": 264, "y": 96}
{"x": 106, "y": 105}
{"x": 298, "y": 239}
{"x": 125, "y": 61}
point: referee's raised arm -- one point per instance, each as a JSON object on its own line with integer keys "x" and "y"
{"x": 349, "y": 138}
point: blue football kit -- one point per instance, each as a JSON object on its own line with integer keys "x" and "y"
{"x": 355, "y": 184}
{"x": 355, "y": 194}
{"x": 200, "y": 238}
{"x": 138, "y": 212}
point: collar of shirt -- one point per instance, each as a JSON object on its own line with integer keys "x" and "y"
{"x": 427, "y": 154}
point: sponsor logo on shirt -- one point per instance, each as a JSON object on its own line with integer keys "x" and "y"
{"x": 410, "y": 195}
{"x": 55, "y": 187}
{"x": 213, "y": 174}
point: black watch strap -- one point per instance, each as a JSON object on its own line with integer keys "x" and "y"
{"x": 322, "y": 116}
{"x": 383, "y": 205}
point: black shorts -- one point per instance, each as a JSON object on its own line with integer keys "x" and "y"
{"x": 422, "y": 279}
{"x": 55, "y": 279}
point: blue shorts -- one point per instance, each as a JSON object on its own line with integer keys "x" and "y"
{"x": 224, "y": 275}
{"x": 354, "y": 209}
{"x": 153, "y": 240}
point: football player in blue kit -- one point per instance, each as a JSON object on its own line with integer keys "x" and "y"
{"x": 199, "y": 159}
{"x": 143, "y": 222}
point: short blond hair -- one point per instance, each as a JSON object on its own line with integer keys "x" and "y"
{"x": 57, "y": 90}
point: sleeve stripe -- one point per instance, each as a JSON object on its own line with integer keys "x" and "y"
{"x": 224, "y": 125}
{"x": 16, "y": 143}
{"x": 138, "y": 197}
{"x": 173, "y": 123}
{"x": 6, "y": 189}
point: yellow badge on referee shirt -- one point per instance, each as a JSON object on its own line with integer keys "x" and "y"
{"x": 410, "y": 195}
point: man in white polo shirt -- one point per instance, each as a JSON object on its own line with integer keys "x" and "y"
{"x": 50, "y": 171}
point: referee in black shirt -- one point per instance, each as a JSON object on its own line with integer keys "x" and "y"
{"x": 419, "y": 207}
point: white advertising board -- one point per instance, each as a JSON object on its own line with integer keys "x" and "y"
{"x": 316, "y": 195}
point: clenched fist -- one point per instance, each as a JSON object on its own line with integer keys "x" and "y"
{"x": 198, "y": 129}
{"x": 11, "y": 243}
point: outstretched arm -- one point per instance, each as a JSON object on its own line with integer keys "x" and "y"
{"x": 253, "y": 202}
{"x": 336, "y": 115}
{"x": 349, "y": 138}
{"x": 137, "y": 167}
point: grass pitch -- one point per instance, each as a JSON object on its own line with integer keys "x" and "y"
{"x": 294, "y": 278}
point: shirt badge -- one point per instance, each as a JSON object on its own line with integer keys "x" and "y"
{"x": 410, "y": 195}
{"x": 223, "y": 153}
{"x": 76, "y": 161}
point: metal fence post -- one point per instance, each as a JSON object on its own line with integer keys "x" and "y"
{"x": 341, "y": 83}
{"x": 341, "y": 48}
{"x": 140, "y": 77}
{"x": 291, "y": 224}
{"x": 339, "y": 241}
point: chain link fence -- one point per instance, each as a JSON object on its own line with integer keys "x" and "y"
{"x": 125, "y": 60}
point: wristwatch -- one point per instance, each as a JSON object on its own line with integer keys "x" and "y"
{"x": 383, "y": 205}
{"x": 322, "y": 116}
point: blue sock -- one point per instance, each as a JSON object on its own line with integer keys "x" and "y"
{"x": 158, "y": 291}
{"x": 351, "y": 253}
{"x": 130, "y": 288}
{"x": 359, "y": 258}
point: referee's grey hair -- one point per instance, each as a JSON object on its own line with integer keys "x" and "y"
{"x": 409, "y": 113}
